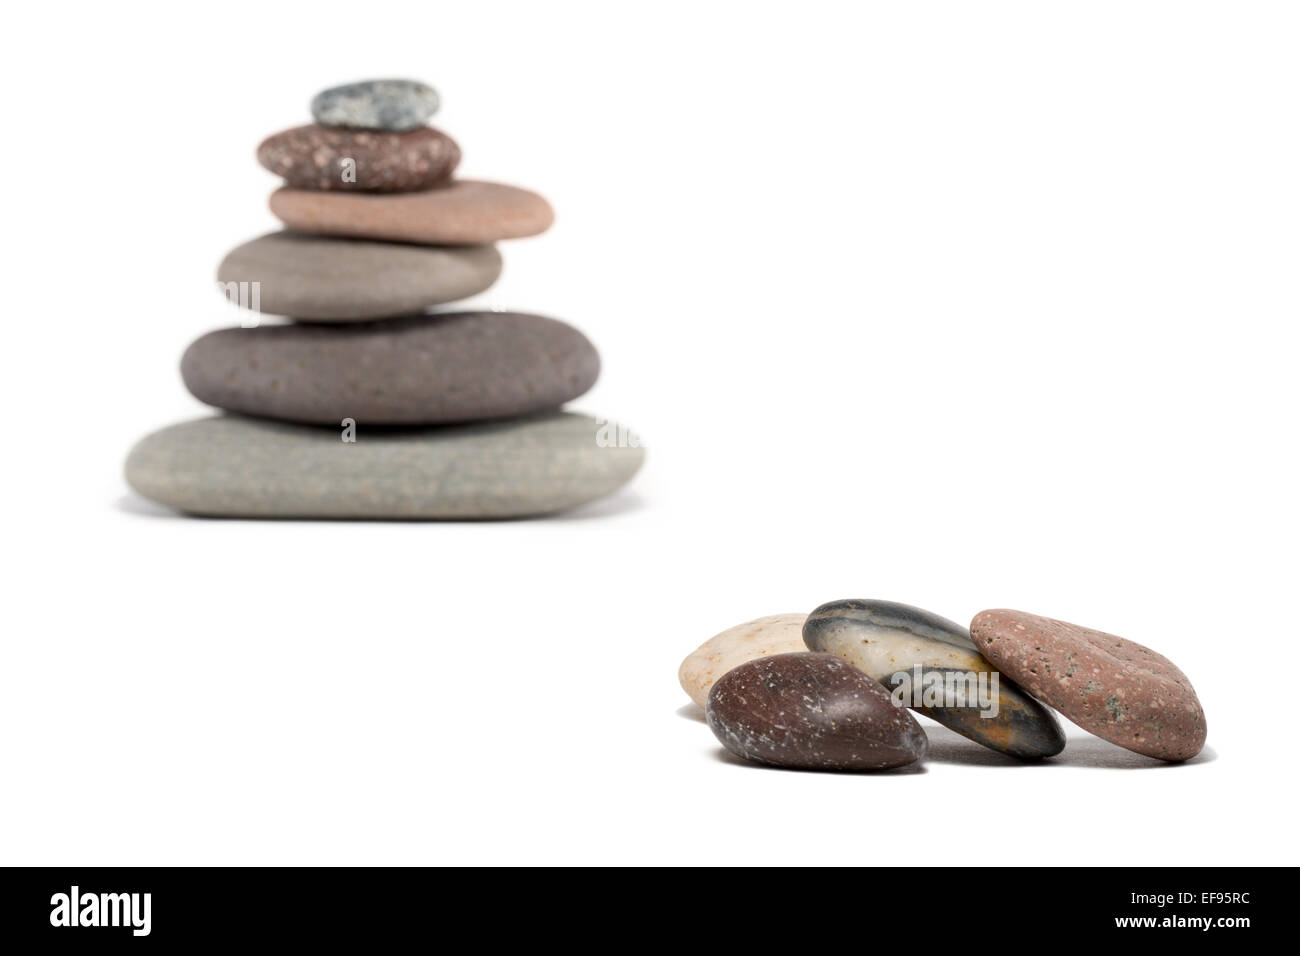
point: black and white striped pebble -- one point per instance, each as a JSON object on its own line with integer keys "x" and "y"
{"x": 883, "y": 638}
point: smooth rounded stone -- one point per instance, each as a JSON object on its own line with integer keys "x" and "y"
{"x": 813, "y": 712}
{"x": 761, "y": 637}
{"x": 346, "y": 280}
{"x": 1114, "y": 688}
{"x": 236, "y": 467}
{"x": 884, "y": 638}
{"x": 465, "y": 212}
{"x": 427, "y": 369}
{"x": 376, "y": 104}
{"x": 337, "y": 158}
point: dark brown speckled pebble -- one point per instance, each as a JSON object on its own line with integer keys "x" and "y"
{"x": 358, "y": 160}
{"x": 1114, "y": 688}
{"x": 811, "y": 712}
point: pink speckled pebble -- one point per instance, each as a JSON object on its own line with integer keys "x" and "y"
{"x": 1120, "y": 691}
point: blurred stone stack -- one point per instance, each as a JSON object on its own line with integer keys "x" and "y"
{"x": 367, "y": 405}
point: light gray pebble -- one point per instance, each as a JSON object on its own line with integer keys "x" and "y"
{"x": 231, "y": 466}
{"x": 376, "y": 104}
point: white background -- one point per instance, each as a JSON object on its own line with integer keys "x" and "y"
{"x": 961, "y": 305}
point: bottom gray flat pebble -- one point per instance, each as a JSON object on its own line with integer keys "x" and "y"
{"x": 232, "y": 466}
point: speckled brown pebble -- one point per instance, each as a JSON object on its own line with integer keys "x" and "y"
{"x": 336, "y": 158}
{"x": 1120, "y": 691}
{"x": 811, "y": 712}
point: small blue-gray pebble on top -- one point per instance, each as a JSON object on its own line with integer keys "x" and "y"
{"x": 376, "y": 104}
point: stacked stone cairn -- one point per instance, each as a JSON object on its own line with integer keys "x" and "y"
{"x": 367, "y": 404}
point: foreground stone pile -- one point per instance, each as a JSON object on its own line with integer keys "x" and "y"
{"x": 367, "y": 404}
{"x": 831, "y": 690}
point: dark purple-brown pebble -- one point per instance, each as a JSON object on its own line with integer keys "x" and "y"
{"x": 811, "y": 712}
{"x": 361, "y": 160}
{"x": 418, "y": 370}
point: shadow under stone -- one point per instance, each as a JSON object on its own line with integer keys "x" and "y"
{"x": 691, "y": 711}
{"x": 133, "y": 504}
{"x": 1092, "y": 752}
{"x": 619, "y": 503}
{"x": 722, "y": 755}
